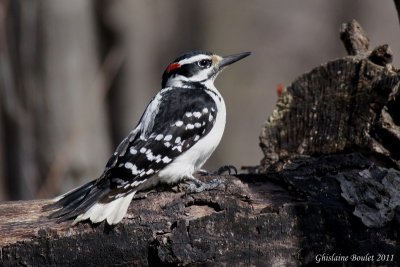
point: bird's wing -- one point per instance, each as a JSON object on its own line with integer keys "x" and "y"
{"x": 175, "y": 120}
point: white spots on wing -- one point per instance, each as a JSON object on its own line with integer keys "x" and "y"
{"x": 179, "y": 148}
{"x": 126, "y": 185}
{"x": 188, "y": 114}
{"x": 150, "y": 171}
{"x": 119, "y": 195}
{"x": 197, "y": 114}
{"x": 204, "y": 123}
{"x": 134, "y": 170}
{"x": 158, "y": 158}
{"x": 178, "y": 142}
{"x": 143, "y": 149}
{"x": 132, "y": 167}
{"x": 197, "y": 125}
{"x": 149, "y": 155}
{"x": 179, "y": 123}
{"x": 205, "y": 110}
{"x": 129, "y": 165}
{"x": 213, "y": 109}
{"x": 168, "y": 137}
{"x": 204, "y": 130}
{"x": 189, "y": 126}
{"x": 120, "y": 182}
{"x": 159, "y": 137}
{"x": 136, "y": 183}
{"x": 166, "y": 159}
{"x": 210, "y": 118}
{"x": 133, "y": 151}
{"x": 167, "y": 144}
{"x": 197, "y": 137}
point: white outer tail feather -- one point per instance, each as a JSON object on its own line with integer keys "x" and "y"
{"x": 113, "y": 211}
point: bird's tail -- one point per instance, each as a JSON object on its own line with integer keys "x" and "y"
{"x": 89, "y": 201}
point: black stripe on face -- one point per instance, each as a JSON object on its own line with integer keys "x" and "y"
{"x": 188, "y": 70}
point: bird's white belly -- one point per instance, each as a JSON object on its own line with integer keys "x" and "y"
{"x": 195, "y": 157}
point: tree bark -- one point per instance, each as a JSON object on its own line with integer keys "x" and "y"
{"x": 279, "y": 218}
{"x": 349, "y": 104}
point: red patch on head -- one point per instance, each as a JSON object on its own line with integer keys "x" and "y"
{"x": 173, "y": 66}
{"x": 280, "y": 89}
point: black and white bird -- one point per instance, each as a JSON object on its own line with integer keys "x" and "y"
{"x": 177, "y": 133}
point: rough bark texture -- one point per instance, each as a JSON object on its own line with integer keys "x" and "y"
{"x": 354, "y": 38}
{"x": 349, "y": 104}
{"x": 277, "y": 219}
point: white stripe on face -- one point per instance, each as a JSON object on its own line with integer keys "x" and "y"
{"x": 193, "y": 59}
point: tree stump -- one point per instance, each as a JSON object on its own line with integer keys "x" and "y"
{"x": 349, "y": 104}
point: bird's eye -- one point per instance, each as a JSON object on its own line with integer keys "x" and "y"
{"x": 204, "y": 63}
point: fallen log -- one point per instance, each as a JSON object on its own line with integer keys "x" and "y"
{"x": 290, "y": 217}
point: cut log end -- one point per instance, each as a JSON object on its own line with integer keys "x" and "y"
{"x": 349, "y": 104}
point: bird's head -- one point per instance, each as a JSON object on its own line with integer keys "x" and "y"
{"x": 197, "y": 67}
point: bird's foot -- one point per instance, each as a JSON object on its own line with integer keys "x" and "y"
{"x": 221, "y": 170}
{"x": 143, "y": 195}
{"x": 197, "y": 186}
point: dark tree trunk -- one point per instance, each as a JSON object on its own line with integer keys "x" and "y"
{"x": 52, "y": 93}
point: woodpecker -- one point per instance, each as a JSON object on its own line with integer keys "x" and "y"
{"x": 177, "y": 133}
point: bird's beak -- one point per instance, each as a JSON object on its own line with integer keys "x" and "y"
{"x": 225, "y": 61}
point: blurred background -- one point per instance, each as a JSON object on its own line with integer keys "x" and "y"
{"x": 76, "y": 75}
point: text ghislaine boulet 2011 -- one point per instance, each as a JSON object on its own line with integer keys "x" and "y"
{"x": 325, "y": 257}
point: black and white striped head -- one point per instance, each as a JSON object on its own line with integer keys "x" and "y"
{"x": 197, "y": 67}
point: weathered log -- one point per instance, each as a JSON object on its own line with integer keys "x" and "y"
{"x": 283, "y": 218}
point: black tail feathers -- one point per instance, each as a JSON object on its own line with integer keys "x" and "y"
{"x": 77, "y": 201}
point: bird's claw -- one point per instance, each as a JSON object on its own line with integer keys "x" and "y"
{"x": 226, "y": 168}
{"x": 203, "y": 172}
{"x": 198, "y": 186}
{"x": 221, "y": 170}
